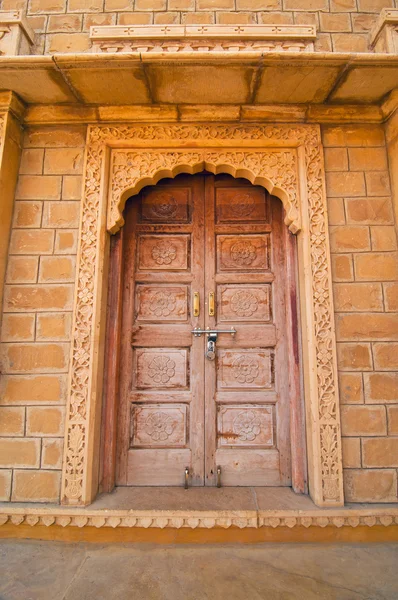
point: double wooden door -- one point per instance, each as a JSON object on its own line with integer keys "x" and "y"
{"x": 204, "y": 252}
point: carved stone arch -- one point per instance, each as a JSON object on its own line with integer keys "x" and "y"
{"x": 285, "y": 159}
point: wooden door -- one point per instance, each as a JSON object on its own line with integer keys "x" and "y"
{"x": 202, "y": 235}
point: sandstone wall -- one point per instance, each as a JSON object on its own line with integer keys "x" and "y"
{"x": 39, "y": 296}
{"x": 63, "y": 25}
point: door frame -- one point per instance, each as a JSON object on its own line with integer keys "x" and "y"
{"x": 119, "y": 161}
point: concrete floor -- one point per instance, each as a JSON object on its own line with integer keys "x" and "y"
{"x": 31, "y": 570}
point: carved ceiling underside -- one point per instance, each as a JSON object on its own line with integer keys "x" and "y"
{"x": 293, "y": 153}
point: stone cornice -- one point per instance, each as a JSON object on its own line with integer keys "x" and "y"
{"x": 203, "y": 38}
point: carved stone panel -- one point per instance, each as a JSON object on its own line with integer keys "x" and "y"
{"x": 235, "y": 205}
{"x": 159, "y": 425}
{"x": 163, "y": 206}
{"x": 245, "y": 426}
{"x": 244, "y": 302}
{"x": 161, "y": 303}
{"x": 245, "y": 369}
{"x": 163, "y": 252}
{"x": 243, "y": 252}
{"x": 160, "y": 368}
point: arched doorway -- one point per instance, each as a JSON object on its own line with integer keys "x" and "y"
{"x": 206, "y": 252}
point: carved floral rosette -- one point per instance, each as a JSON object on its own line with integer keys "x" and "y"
{"x": 143, "y": 154}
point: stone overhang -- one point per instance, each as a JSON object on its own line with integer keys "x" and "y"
{"x": 310, "y": 81}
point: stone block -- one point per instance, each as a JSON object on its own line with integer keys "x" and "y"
{"x": 349, "y": 239}
{"x": 28, "y": 389}
{"x": 65, "y": 161}
{"x": 377, "y": 183}
{"x": 96, "y": 19}
{"x": 52, "y": 452}
{"x": 344, "y": 183}
{"x": 85, "y": 6}
{"x": 259, "y": 5}
{"x": 354, "y": 357}
{"x": 71, "y": 187}
{"x": 391, "y": 297}
{"x": 34, "y": 358}
{"x": 151, "y": 5}
{"x": 5, "y": 485}
{"x": 235, "y": 18}
{"x": 363, "y": 420}
{"x": 343, "y": 5}
{"x": 62, "y": 214}
{"x": 72, "y": 136}
{"x": 367, "y": 326}
{"x": 362, "y": 485}
{"x": 380, "y": 452}
{"x": 305, "y": 5}
{"x": 27, "y": 214}
{"x": 62, "y": 43}
{"x": 384, "y": 238}
{"x": 12, "y": 421}
{"x": 274, "y": 18}
{"x": 375, "y": 6}
{"x": 64, "y": 23}
{"x": 180, "y": 5}
{"x": 36, "y": 486}
{"x": 362, "y": 23}
{"x": 32, "y": 161}
{"x": 215, "y": 4}
{"x": 197, "y": 18}
{"x": 41, "y": 297}
{"x": 350, "y": 42}
{"x": 381, "y": 387}
{"x": 364, "y": 159}
{"x": 351, "y": 450}
{"x": 18, "y": 328}
{"x": 307, "y": 18}
{"x": 133, "y": 18}
{"x": 342, "y": 267}
{"x": 357, "y": 297}
{"x": 333, "y": 136}
{"x": 167, "y": 18}
{"x": 47, "y": 6}
{"x": 22, "y": 269}
{"x": 33, "y": 241}
{"x": 385, "y": 356}
{"x": 336, "y": 214}
{"x": 375, "y": 266}
{"x": 38, "y": 187}
{"x": 351, "y": 389}
{"x": 66, "y": 242}
{"x": 369, "y": 211}
{"x": 46, "y": 421}
{"x": 335, "y": 22}
{"x": 392, "y": 418}
{"x": 57, "y": 269}
{"x": 19, "y": 452}
{"x": 53, "y": 327}
{"x": 336, "y": 159}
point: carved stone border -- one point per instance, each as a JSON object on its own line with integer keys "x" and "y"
{"x": 167, "y": 519}
{"x": 288, "y": 161}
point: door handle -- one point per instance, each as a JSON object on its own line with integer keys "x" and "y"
{"x": 211, "y": 346}
{"x": 212, "y": 309}
{"x": 196, "y": 304}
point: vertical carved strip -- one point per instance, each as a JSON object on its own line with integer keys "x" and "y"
{"x": 75, "y": 465}
{"x": 325, "y": 344}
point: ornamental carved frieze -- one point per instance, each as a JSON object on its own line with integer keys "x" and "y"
{"x": 287, "y": 160}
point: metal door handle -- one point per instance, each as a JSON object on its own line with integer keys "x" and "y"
{"x": 196, "y": 304}
{"x": 212, "y": 310}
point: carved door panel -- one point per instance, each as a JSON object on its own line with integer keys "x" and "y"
{"x": 201, "y": 235}
{"x": 247, "y": 395}
{"x": 161, "y": 424}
